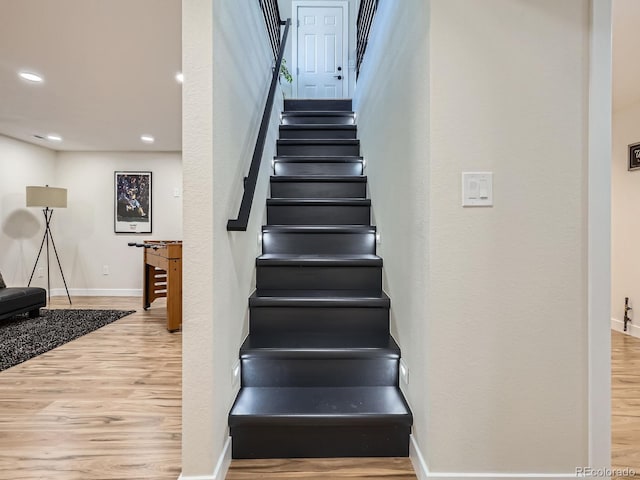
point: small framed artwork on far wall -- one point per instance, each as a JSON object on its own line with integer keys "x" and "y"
{"x": 132, "y": 206}
{"x": 634, "y": 156}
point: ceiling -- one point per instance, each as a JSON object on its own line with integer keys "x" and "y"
{"x": 110, "y": 65}
{"x": 109, "y": 68}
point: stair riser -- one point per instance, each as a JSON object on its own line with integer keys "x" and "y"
{"x": 321, "y": 372}
{"x": 346, "y": 119}
{"x": 318, "y": 215}
{"x": 314, "y": 320}
{"x": 319, "y": 243}
{"x": 318, "y": 190}
{"x": 318, "y": 168}
{"x": 318, "y": 441}
{"x": 318, "y": 149}
{"x": 318, "y": 105}
{"x": 317, "y": 133}
{"x": 318, "y": 278}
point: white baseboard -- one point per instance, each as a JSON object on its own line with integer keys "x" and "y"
{"x": 97, "y": 292}
{"x": 419, "y": 465}
{"x": 423, "y": 472}
{"x": 618, "y": 326}
{"x": 222, "y": 466}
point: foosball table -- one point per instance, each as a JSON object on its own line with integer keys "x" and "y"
{"x": 163, "y": 277}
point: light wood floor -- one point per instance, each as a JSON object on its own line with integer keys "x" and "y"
{"x": 323, "y": 469}
{"x": 625, "y": 406}
{"x": 104, "y": 406}
{"x": 107, "y": 406}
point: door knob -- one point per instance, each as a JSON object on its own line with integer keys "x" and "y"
{"x": 339, "y": 69}
{"x": 339, "y": 77}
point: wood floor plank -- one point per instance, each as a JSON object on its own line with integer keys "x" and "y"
{"x": 104, "y": 406}
{"x": 625, "y": 402}
{"x": 323, "y": 469}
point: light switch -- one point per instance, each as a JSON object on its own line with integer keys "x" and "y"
{"x": 477, "y": 189}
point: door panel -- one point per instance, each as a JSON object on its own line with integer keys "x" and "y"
{"x": 320, "y": 41}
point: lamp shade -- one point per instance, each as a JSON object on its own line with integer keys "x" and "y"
{"x": 47, "y": 197}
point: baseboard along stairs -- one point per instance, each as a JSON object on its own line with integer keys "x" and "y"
{"x": 319, "y": 369}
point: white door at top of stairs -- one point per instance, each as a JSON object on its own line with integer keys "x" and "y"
{"x": 320, "y": 49}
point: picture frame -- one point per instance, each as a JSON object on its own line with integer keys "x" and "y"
{"x": 634, "y": 156}
{"x": 132, "y": 210}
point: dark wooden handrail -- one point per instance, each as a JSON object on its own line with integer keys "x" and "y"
{"x": 240, "y": 223}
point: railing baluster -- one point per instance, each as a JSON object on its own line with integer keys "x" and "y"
{"x": 366, "y": 14}
{"x": 273, "y": 22}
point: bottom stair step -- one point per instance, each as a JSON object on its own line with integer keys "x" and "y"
{"x": 316, "y": 422}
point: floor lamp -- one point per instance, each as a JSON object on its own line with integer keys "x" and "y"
{"x": 49, "y": 198}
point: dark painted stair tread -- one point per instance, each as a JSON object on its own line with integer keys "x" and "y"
{"x": 319, "y": 178}
{"x": 319, "y": 298}
{"x": 318, "y": 158}
{"x": 305, "y": 105}
{"x": 318, "y": 113}
{"x": 318, "y": 141}
{"x": 318, "y": 126}
{"x": 318, "y": 229}
{"x": 357, "y": 202}
{"x": 328, "y": 260}
{"x": 332, "y": 345}
{"x": 329, "y": 405}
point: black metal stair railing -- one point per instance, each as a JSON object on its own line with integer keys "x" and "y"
{"x": 366, "y": 14}
{"x": 273, "y": 22}
{"x": 272, "y": 19}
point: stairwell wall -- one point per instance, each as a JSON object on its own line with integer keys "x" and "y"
{"x": 392, "y": 103}
{"x": 489, "y": 305}
{"x": 507, "y": 336}
{"x": 227, "y": 72}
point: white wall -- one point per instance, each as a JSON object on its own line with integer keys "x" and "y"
{"x": 507, "y": 337}
{"x": 625, "y": 221}
{"x": 393, "y": 127}
{"x": 85, "y": 229}
{"x": 83, "y": 232}
{"x": 21, "y": 228}
{"x": 498, "y": 373}
{"x": 286, "y": 11}
{"x": 227, "y": 74}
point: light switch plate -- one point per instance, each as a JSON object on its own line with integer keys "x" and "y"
{"x": 477, "y": 189}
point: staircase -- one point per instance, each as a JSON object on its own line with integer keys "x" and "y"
{"x": 319, "y": 368}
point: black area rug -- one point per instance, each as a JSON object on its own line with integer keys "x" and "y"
{"x": 22, "y": 338}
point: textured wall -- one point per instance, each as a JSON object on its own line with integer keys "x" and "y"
{"x": 227, "y": 73}
{"x": 393, "y": 125}
{"x": 507, "y": 336}
{"x": 489, "y": 305}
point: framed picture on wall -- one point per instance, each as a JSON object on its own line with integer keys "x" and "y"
{"x": 132, "y": 206}
{"x": 634, "y": 156}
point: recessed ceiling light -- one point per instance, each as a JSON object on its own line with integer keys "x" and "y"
{"x": 180, "y": 77}
{"x": 54, "y": 137}
{"x": 147, "y": 138}
{"x": 31, "y": 77}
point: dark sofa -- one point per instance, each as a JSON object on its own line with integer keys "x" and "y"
{"x": 15, "y": 300}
